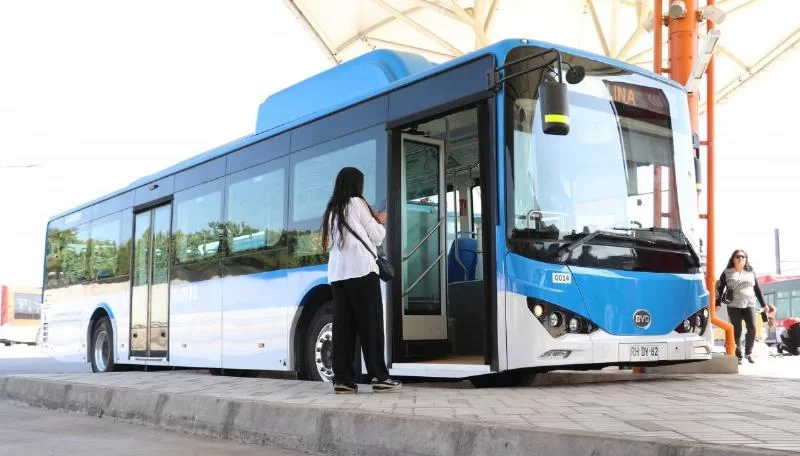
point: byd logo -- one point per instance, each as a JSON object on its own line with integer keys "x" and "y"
{"x": 641, "y": 318}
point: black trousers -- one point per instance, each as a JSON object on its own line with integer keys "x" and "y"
{"x": 358, "y": 311}
{"x": 736, "y": 316}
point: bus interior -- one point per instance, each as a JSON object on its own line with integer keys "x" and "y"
{"x": 442, "y": 288}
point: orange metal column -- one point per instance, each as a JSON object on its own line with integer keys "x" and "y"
{"x": 682, "y": 58}
{"x": 730, "y": 343}
{"x": 683, "y": 52}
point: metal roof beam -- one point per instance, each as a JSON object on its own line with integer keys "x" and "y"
{"x": 416, "y": 26}
{"x": 721, "y": 3}
{"x": 404, "y": 47}
{"x": 455, "y": 15}
{"x": 475, "y": 20}
{"x": 614, "y": 28}
{"x": 636, "y": 59}
{"x": 642, "y": 12}
{"x": 489, "y": 16}
{"x": 598, "y": 27}
{"x": 637, "y": 34}
{"x": 313, "y": 31}
{"x": 374, "y": 27}
{"x": 478, "y": 13}
{"x": 785, "y": 45}
{"x": 727, "y": 53}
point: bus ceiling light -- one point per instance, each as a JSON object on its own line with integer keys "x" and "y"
{"x": 703, "y": 58}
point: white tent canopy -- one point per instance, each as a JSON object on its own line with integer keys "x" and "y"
{"x": 755, "y": 33}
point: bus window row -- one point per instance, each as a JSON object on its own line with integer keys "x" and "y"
{"x": 255, "y": 210}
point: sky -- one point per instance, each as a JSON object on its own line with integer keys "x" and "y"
{"x": 99, "y": 94}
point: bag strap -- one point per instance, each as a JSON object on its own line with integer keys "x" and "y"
{"x": 359, "y": 239}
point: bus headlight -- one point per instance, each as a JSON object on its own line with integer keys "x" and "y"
{"x": 559, "y": 321}
{"x": 696, "y": 322}
{"x": 574, "y": 324}
{"x": 538, "y": 311}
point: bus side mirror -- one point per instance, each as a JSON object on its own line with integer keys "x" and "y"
{"x": 555, "y": 108}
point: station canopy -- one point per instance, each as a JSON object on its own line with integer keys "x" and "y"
{"x": 754, "y": 33}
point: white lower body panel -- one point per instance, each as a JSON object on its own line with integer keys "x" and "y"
{"x": 528, "y": 342}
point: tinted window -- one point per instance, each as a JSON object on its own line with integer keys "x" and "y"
{"x": 314, "y": 177}
{"x": 314, "y": 172}
{"x": 124, "y": 254}
{"x": 197, "y": 224}
{"x": 67, "y": 255}
{"x": 105, "y": 247}
{"x": 256, "y": 208}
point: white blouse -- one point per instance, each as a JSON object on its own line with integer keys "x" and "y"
{"x": 352, "y": 260}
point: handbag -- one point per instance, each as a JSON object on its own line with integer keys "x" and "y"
{"x": 727, "y": 296}
{"x": 385, "y": 269}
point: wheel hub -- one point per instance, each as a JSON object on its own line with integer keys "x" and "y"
{"x": 323, "y": 353}
{"x": 101, "y": 350}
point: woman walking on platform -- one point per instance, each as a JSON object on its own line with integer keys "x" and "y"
{"x": 738, "y": 289}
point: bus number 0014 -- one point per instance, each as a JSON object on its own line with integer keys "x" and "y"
{"x": 561, "y": 277}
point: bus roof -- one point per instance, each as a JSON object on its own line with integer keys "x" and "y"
{"x": 368, "y": 76}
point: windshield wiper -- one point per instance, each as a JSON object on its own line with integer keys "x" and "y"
{"x": 676, "y": 237}
{"x": 569, "y": 247}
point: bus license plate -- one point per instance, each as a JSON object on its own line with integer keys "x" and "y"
{"x": 644, "y": 352}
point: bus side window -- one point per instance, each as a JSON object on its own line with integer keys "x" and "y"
{"x": 197, "y": 223}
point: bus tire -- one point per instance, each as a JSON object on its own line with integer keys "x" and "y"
{"x": 318, "y": 347}
{"x": 102, "y": 348}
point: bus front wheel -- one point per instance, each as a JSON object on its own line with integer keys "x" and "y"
{"x": 318, "y": 350}
{"x": 102, "y": 349}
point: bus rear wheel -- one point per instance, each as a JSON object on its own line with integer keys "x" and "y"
{"x": 318, "y": 347}
{"x": 102, "y": 348}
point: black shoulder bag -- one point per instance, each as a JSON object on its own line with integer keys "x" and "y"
{"x": 385, "y": 269}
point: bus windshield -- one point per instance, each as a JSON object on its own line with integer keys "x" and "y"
{"x": 625, "y": 168}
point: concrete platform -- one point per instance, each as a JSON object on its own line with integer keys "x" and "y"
{"x": 718, "y": 364}
{"x": 677, "y": 415}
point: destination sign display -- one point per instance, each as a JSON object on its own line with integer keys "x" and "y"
{"x": 637, "y": 96}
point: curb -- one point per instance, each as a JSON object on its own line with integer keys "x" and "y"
{"x": 336, "y": 431}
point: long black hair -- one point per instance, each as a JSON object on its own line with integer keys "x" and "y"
{"x": 747, "y": 266}
{"x": 349, "y": 184}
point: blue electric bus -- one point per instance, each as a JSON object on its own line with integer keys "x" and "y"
{"x": 534, "y": 224}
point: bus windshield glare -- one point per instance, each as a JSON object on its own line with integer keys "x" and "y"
{"x": 624, "y": 174}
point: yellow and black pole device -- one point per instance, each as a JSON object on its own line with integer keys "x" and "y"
{"x": 554, "y": 107}
{"x": 553, "y": 102}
